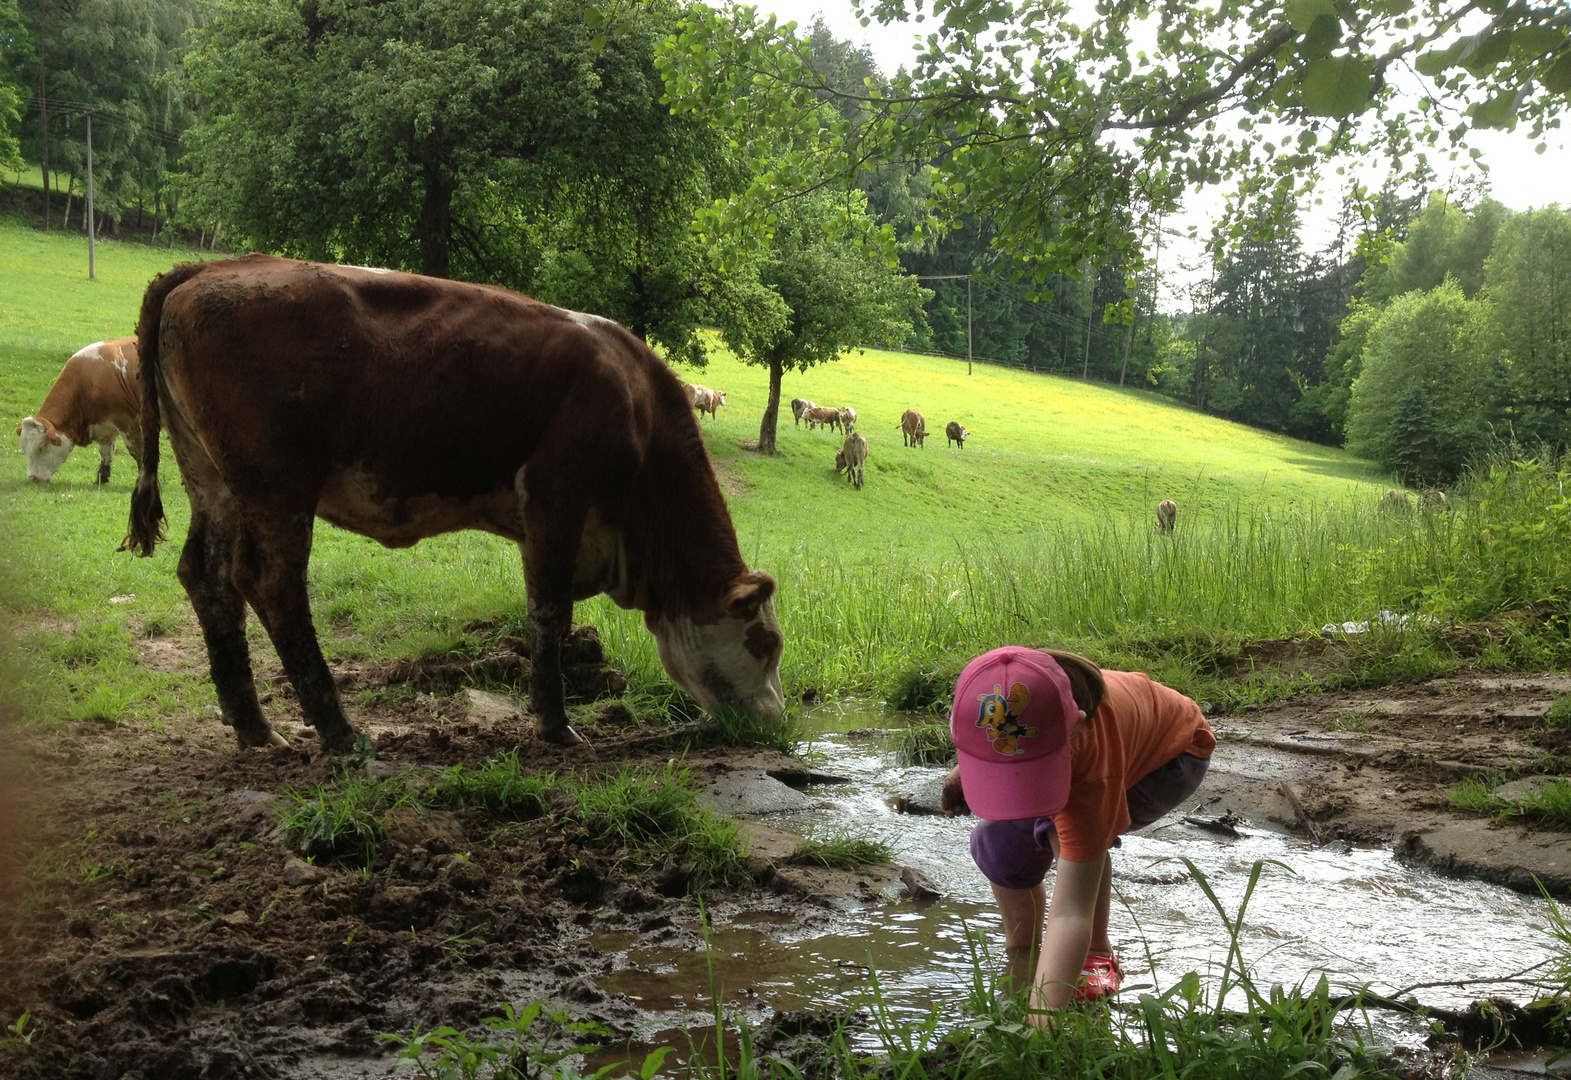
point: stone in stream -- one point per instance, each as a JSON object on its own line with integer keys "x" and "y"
{"x": 923, "y": 795}
{"x": 920, "y": 886}
{"x": 754, "y": 791}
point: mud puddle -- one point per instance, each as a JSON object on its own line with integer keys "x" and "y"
{"x": 1352, "y": 912}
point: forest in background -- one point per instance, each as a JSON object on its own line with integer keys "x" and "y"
{"x": 530, "y": 143}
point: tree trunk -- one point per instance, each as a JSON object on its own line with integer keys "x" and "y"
{"x": 766, "y": 429}
{"x": 435, "y": 226}
{"x": 43, "y": 115}
{"x": 1129, "y": 338}
{"x": 70, "y": 189}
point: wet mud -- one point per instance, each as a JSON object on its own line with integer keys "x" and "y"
{"x": 154, "y": 924}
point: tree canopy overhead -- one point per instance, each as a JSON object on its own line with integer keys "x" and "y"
{"x": 1057, "y": 132}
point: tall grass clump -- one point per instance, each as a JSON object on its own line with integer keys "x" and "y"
{"x": 342, "y": 822}
{"x": 925, "y": 744}
{"x": 1547, "y": 802}
{"x": 498, "y": 786}
{"x": 658, "y": 815}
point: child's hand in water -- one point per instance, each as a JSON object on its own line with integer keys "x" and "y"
{"x": 953, "y": 800}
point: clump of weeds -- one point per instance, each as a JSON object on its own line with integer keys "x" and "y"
{"x": 343, "y": 822}
{"x": 498, "y": 786}
{"x": 1559, "y": 714}
{"x": 841, "y": 852}
{"x": 925, "y": 744}
{"x": 658, "y": 815}
{"x": 1548, "y": 803}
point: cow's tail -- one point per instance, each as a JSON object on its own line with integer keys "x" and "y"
{"x": 146, "y": 527}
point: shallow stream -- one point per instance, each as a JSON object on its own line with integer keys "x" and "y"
{"x": 1354, "y": 913}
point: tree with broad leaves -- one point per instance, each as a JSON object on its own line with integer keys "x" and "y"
{"x": 1052, "y": 129}
{"x": 833, "y": 289}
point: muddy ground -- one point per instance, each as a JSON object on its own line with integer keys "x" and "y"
{"x": 156, "y": 926}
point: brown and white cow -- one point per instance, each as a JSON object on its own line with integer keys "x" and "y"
{"x": 704, "y": 399}
{"x": 1433, "y": 499}
{"x": 822, "y": 416}
{"x": 847, "y": 418}
{"x": 401, "y": 407}
{"x": 1396, "y": 502}
{"x": 1166, "y": 516}
{"x": 97, "y": 396}
{"x": 799, "y": 407}
{"x": 955, "y": 433}
{"x": 852, "y": 456}
{"x": 913, "y": 429}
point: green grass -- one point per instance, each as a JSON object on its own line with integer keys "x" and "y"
{"x": 841, "y": 852}
{"x": 1039, "y": 532}
{"x": 342, "y": 822}
{"x": 498, "y": 786}
{"x": 925, "y": 744}
{"x": 1559, "y": 714}
{"x": 1547, "y": 803}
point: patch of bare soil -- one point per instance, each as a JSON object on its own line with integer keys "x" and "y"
{"x": 163, "y": 930}
{"x": 1379, "y": 766}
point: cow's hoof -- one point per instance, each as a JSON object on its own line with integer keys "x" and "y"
{"x": 563, "y": 736}
{"x": 339, "y": 742}
{"x": 250, "y": 738}
{"x": 275, "y": 739}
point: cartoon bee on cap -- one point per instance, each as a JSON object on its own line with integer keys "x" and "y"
{"x": 999, "y": 717}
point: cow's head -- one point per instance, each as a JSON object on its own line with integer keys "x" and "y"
{"x": 732, "y": 662}
{"x": 46, "y": 448}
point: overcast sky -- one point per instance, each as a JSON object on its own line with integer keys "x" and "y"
{"x": 1517, "y": 176}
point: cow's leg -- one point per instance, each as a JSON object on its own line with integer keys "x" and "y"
{"x": 270, "y": 569}
{"x": 551, "y": 539}
{"x": 206, "y": 565}
{"x": 106, "y": 457}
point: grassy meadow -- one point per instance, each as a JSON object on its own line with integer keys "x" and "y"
{"x": 1039, "y": 531}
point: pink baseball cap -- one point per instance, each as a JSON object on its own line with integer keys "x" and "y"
{"x": 1013, "y": 715}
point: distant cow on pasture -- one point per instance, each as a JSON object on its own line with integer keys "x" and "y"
{"x": 852, "y": 456}
{"x": 401, "y": 407}
{"x": 1396, "y": 502}
{"x": 799, "y": 407}
{"x": 1433, "y": 499}
{"x": 704, "y": 399}
{"x": 847, "y": 418}
{"x": 1166, "y": 516}
{"x": 954, "y": 433}
{"x": 823, "y": 416}
{"x": 96, "y": 396}
{"x": 913, "y": 429}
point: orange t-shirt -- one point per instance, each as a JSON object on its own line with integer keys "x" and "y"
{"x": 1141, "y": 726}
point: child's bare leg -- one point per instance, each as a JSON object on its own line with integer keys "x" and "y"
{"x": 1100, "y": 943}
{"x": 1023, "y": 911}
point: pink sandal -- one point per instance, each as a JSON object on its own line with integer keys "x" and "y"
{"x": 1100, "y": 978}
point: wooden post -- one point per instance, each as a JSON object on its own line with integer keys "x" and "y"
{"x": 91, "y": 224}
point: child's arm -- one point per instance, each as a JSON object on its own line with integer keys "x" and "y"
{"x": 1070, "y": 920}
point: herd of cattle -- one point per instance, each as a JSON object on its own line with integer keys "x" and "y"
{"x": 294, "y": 390}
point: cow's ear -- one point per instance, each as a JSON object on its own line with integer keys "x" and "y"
{"x": 748, "y": 594}
{"x": 51, "y": 434}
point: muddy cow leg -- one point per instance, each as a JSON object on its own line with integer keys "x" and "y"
{"x": 206, "y": 565}
{"x": 550, "y": 551}
{"x": 270, "y": 569}
{"x": 106, "y": 457}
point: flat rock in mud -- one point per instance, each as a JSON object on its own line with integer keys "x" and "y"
{"x": 753, "y": 791}
{"x": 298, "y": 872}
{"x": 488, "y": 708}
{"x": 1491, "y": 851}
{"x": 918, "y": 884}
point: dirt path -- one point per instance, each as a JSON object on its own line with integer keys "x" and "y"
{"x": 162, "y": 930}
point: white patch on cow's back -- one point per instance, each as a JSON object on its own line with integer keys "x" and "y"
{"x": 369, "y": 269}
{"x": 95, "y": 351}
{"x": 587, "y": 320}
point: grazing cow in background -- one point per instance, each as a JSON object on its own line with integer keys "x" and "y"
{"x": 913, "y": 429}
{"x": 1396, "y": 502}
{"x": 847, "y": 419}
{"x": 1433, "y": 499}
{"x": 704, "y": 399}
{"x": 401, "y": 407}
{"x": 1166, "y": 516}
{"x": 953, "y": 432}
{"x": 852, "y": 456}
{"x": 96, "y": 396}
{"x": 799, "y": 407}
{"x": 822, "y": 416}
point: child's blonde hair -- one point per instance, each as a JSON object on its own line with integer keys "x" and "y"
{"x": 1085, "y": 680}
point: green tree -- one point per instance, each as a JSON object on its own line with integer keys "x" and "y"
{"x": 15, "y": 53}
{"x": 1529, "y": 284}
{"x": 1415, "y": 438}
{"x": 1441, "y": 342}
{"x": 835, "y": 289}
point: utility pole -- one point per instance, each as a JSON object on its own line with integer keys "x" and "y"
{"x": 957, "y": 277}
{"x": 43, "y": 121}
{"x": 91, "y": 223}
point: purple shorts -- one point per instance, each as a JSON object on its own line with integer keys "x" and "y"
{"x": 1018, "y": 854}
